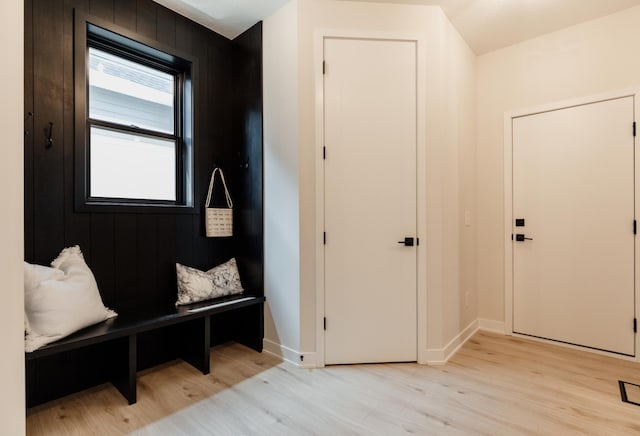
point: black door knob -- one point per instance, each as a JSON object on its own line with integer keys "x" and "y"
{"x": 408, "y": 242}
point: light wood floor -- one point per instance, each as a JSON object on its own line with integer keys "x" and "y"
{"x": 495, "y": 385}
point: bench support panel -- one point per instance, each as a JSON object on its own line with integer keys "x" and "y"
{"x": 123, "y": 361}
{"x": 196, "y": 342}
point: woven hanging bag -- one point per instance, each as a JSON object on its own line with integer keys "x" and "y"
{"x": 218, "y": 220}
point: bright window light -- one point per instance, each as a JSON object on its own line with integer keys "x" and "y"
{"x": 130, "y": 166}
{"x": 129, "y": 93}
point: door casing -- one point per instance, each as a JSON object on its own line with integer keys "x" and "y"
{"x": 421, "y": 206}
{"x": 508, "y": 207}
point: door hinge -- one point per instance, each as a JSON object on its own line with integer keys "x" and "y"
{"x": 634, "y": 128}
{"x": 323, "y": 67}
{"x": 324, "y": 323}
{"x": 635, "y": 325}
{"x": 324, "y": 238}
{"x": 635, "y": 227}
{"x": 324, "y": 153}
{"x": 417, "y": 241}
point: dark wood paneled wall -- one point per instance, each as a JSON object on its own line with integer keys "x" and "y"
{"x": 133, "y": 254}
{"x": 247, "y": 145}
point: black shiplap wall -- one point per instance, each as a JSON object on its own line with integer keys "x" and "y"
{"x": 133, "y": 255}
{"x": 247, "y": 146}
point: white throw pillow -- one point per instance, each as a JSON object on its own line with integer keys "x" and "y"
{"x": 61, "y": 299}
{"x": 195, "y": 285}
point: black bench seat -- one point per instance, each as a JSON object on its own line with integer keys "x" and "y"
{"x": 122, "y": 332}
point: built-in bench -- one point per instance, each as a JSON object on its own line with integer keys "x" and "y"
{"x": 120, "y": 334}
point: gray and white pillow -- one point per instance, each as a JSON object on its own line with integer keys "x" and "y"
{"x": 195, "y": 285}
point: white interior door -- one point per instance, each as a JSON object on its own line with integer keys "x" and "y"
{"x": 573, "y": 184}
{"x": 370, "y": 200}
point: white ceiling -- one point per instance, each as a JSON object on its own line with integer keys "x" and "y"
{"x": 486, "y": 25}
{"x": 227, "y": 17}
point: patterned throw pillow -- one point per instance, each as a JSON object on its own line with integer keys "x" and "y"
{"x": 195, "y": 285}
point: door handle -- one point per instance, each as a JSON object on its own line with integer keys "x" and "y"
{"x": 408, "y": 242}
{"x": 521, "y": 238}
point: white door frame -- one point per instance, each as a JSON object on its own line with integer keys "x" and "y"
{"x": 421, "y": 166}
{"x": 508, "y": 207}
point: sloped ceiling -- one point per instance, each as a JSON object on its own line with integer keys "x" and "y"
{"x": 226, "y": 17}
{"x": 486, "y": 25}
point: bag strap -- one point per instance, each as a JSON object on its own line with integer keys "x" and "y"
{"x": 226, "y": 191}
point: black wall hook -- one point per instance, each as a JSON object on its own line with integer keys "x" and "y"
{"x": 49, "y": 143}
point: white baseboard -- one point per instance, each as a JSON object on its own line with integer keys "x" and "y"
{"x": 440, "y": 356}
{"x": 285, "y": 353}
{"x": 490, "y": 325}
{"x": 436, "y": 356}
{"x": 309, "y": 361}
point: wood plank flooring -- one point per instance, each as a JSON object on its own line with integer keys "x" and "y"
{"x": 495, "y": 385}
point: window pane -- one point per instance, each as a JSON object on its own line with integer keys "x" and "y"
{"x": 129, "y": 93}
{"x": 130, "y": 166}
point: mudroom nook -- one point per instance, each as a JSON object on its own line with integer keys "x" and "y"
{"x": 132, "y": 245}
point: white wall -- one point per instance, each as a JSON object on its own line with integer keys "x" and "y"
{"x": 281, "y": 212}
{"x": 12, "y": 398}
{"x": 460, "y": 104}
{"x": 587, "y": 59}
{"x": 450, "y": 121}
